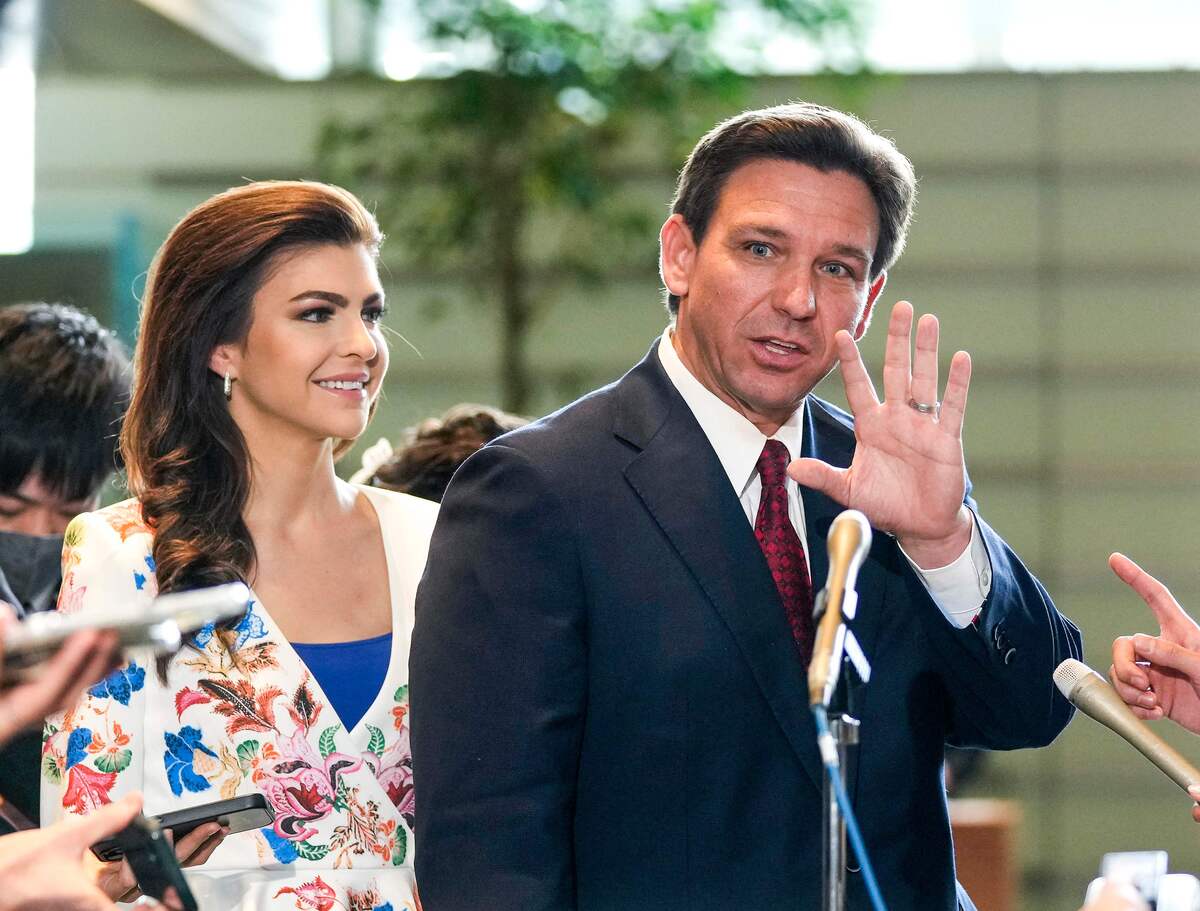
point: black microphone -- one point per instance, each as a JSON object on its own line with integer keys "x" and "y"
{"x": 1092, "y": 695}
{"x": 848, "y": 542}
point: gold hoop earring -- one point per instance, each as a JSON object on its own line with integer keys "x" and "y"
{"x": 228, "y": 386}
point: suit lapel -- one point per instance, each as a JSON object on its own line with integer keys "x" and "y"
{"x": 681, "y": 483}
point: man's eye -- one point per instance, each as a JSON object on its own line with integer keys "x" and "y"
{"x": 836, "y": 269}
{"x": 760, "y": 250}
{"x": 8, "y": 512}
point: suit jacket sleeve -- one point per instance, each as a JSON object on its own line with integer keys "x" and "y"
{"x": 999, "y": 670}
{"x": 498, "y": 690}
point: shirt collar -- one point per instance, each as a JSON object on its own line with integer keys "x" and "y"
{"x": 736, "y": 441}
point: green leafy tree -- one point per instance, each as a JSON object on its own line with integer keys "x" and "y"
{"x": 536, "y": 128}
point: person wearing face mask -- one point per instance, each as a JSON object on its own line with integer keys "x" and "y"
{"x": 64, "y": 383}
{"x": 260, "y": 358}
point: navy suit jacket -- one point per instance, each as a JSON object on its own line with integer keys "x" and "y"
{"x": 607, "y": 707}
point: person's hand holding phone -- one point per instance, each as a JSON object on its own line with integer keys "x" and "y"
{"x": 53, "y": 868}
{"x": 84, "y": 658}
{"x": 117, "y": 880}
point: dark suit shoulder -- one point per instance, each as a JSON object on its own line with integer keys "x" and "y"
{"x": 827, "y": 416}
{"x": 603, "y": 428}
{"x": 573, "y": 426}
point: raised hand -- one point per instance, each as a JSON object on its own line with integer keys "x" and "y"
{"x": 908, "y": 475}
{"x": 1167, "y": 681}
{"x": 83, "y": 659}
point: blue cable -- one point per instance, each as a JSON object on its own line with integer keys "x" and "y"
{"x": 860, "y": 850}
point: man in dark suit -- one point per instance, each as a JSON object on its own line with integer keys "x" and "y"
{"x": 609, "y": 707}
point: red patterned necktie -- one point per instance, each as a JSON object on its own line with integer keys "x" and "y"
{"x": 782, "y": 548}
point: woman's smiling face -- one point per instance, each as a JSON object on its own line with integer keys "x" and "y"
{"x": 314, "y": 357}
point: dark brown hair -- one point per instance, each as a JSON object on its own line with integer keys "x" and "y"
{"x": 432, "y": 451}
{"x": 186, "y": 458}
{"x": 810, "y": 134}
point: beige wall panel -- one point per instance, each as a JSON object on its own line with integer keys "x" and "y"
{"x": 1130, "y": 434}
{"x": 1001, "y": 432}
{"x": 992, "y": 119}
{"x": 1136, "y": 325}
{"x": 131, "y": 124}
{"x": 1154, "y": 525}
{"x": 606, "y": 327}
{"x": 1129, "y": 120}
{"x": 972, "y": 221}
{"x": 1126, "y": 221}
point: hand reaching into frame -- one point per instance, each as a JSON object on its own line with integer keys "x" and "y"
{"x": 1116, "y": 896}
{"x": 1158, "y": 676}
{"x": 116, "y": 878}
{"x": 908, "y": 476}
{"x": 48, "y": 868}
{"x": 82, "y": 660}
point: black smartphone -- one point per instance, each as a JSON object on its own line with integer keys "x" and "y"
{"x": 153, "y": 861}
{"x": 239, "y": 814}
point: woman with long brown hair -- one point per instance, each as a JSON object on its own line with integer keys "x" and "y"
{"x": 259, "y": 360}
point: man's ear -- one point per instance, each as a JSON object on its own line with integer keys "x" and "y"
{"x": 872, "y": 295}
{"x": 677, "y": 255}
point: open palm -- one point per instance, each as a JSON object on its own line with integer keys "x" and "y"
{"x": 907, "y": 475}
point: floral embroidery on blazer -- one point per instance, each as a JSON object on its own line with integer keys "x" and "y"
{"x": 241, "y": 714}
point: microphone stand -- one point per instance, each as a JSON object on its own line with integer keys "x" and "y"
{"x": 853, "y": 671}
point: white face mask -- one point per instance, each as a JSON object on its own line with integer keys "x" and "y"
{"x": 30, "y": 571}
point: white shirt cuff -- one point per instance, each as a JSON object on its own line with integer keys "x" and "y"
{"x": 960, "y": 588}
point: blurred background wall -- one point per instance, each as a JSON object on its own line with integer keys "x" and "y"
{"x": 1056, "y": 237}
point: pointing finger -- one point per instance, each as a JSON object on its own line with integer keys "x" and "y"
{"x": 1156, "y": 595}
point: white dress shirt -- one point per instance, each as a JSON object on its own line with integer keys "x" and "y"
{"x": 958, "y": 589}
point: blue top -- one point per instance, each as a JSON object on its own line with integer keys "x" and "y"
{"x": 350, "y": 673}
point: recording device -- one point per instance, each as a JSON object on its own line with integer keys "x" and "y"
{"x": 848, "y": 542}
{"x": 153, "y": 861}
{"x": 1147, "y": 872}
{"x": 160, "y": 628}
{"x": 1092, "y": 695}
{"x": 239, "y": 814}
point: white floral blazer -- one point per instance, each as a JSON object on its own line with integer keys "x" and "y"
{"x": 241, "y": 713}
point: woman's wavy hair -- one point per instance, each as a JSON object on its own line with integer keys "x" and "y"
{"x": 186, "y": 459}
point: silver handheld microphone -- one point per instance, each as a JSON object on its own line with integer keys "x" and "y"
{"x": 1092, "y": 695}
{"x": 848, "y": 543}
